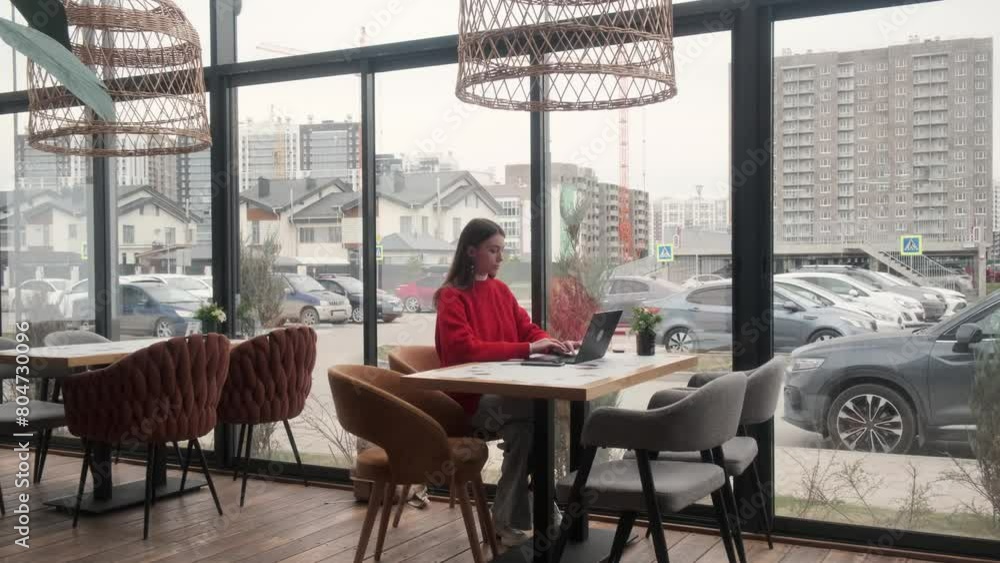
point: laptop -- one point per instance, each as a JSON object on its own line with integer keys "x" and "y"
{"x": 594, "y": 346}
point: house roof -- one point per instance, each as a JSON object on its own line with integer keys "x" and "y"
{"x": 278, "y": 197}
{"x": 324, "y": 208}
{"x": 48, "y": 206}
{"x": 398, "y": 242}
{"x": 156, "y": 198}
{"x": 421, "y": 188}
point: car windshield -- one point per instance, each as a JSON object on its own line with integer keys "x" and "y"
{"x": 167, "y": 294}
{"x": 305, "y": 284}
{"x": 80, "y": 287}
{"x": 60, "y": 285}
{"x": 783, "y": 296}
{"x": 812, "y": 297}
{"x": 187, "y": 284}
{"x": 351, "y": 285}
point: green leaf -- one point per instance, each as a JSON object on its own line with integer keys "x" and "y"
{"x": 62, "y": 64}
{"x": 47, "y": 16}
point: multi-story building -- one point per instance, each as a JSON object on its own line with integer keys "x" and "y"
{"x": 514, "y": 216}
{"x": 331, "y": 149}
{"x": 873, "y": 144}
{"x": 996, "y": 207}
{"x": 268, "y": 149}
{"x": 194, "y": 190}
{"x": 673, "y": 215}
{"x": 40, "y": 170}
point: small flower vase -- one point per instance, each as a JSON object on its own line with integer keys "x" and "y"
{"x": 645, "y": 343}
{"x": 209, "y": 327}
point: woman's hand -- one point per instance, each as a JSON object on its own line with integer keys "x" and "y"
{"x": 549, "y": 345}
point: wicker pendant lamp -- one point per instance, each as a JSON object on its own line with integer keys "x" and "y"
{"x": 149, "y": 56}
{"x": 592, "y": 54}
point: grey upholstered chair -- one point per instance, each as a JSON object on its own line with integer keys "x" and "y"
{"x": 700, "y": 421}
{"x": 763, "y": 390}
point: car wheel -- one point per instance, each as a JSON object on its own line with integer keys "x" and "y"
{"x": 871, "y": 418}
{"x": 412, "y": 305}
{"x": 309, "y": 316}
{"x": 358, "y": 315}
{"x": 679, "y": 340}
{"x": 823, "y": 335}
{"x": 163, "y": 328}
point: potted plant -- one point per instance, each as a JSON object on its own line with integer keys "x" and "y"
{"x": 644, "y": 321}
{"x": 211, "y": 316}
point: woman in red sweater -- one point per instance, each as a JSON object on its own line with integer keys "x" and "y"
{"x": 480, "y": 320}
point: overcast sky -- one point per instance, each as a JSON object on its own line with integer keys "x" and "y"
{"x": 674, "y": 145}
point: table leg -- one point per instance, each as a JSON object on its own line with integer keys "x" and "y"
{"x": 160, "y": 467}
{"x": 101, "y": 471}
{"x": 577, "y": 416}
{"x": 542, "y": 478}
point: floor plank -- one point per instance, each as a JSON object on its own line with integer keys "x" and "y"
{"x": 290, "y": 523}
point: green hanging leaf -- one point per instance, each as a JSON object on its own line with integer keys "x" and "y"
{"x": 62, "y": 64}
{"x": 47, "y": 16}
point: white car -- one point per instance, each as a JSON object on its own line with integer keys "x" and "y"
{"x": 190, "y": 284}
{"x": 864, "y": 294}
{"x": 701, "y": 279}
{"x": 954, "y": 301}
{"x": 886, "y": 319}
{"x": 37, "y": 294}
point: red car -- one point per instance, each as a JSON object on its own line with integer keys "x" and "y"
{"x": 419, "y": 295}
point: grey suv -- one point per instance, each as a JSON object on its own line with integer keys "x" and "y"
{"x": 881, "y": 392}
{"x": 933, "y": 302}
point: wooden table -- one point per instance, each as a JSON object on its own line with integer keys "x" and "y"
{"x": 575, "y": 383}
{"x": 61, "y": 361}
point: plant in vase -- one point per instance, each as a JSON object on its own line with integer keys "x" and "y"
{"x": 644, "y": 321}
{"x": 211, "y": 316}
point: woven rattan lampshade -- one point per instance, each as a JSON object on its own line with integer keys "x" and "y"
{"x": 149, "y": 56}
{"x": 593, "y": 54}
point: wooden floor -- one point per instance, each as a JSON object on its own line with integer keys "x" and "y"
{"x": 288, "y": 522}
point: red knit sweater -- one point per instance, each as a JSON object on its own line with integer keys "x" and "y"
{"x": 482, "y": 324}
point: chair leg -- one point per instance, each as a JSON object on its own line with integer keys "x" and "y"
{"x": 150, "y": 460}
{"x": 451, "y": 493}
{"x": 575, "y": 501}
{"x": 721, "y": 514}
{"x": 87, "y": 448}
{"x": 208, "y": 474}
{"x": 118, "y": 452}
{"x": 383, "y": 525}
{"x": 732, "y": 508}
{"x": 186, "y": 465}
{"x": 470, "y": 521}
{"x": 622, "y": 532}
{"x": 295, "y": 450}
{"x": 402, "y": 503}
{"x": 768, "y": 525}
{"x": 41, "y": 452}
{"x": 652, "y": 506}
{"x": 177, "y": 453}
{"x": 485, "y": 518}
{"x": 374, "y": 502}
{"x": 239, "y": 451}
{"x": 246, "y": 465}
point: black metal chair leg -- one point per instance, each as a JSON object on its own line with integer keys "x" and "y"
{"x": 208, "y": 474}
{"x": 43, "y": 455}
{"x": 118, "y": 452}
{"x": 732, "y": 508}
{"x": 722, "y": 515}
{"x": 576, "y": 504}
{"x": 246, "y": 466}
{"x": 622, "y": 532}
{"x": 765, "y": 513}
{"x": 652, "y": 507}
{"x": 239, "y": 451}
{"x": 295, "y": 450}
{"x": 148, "y": 501}
{"x": 186, "y": 465}
{"x": 3, "y": 508}
{"x": 177, "y": 453}
{"x": 87, "y": 448}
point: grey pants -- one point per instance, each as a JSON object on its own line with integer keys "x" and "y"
{"x": 512, "y": 420}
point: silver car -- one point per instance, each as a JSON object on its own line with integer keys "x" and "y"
{"x": 627, "y": 292}
{"x": 702, "y": 319}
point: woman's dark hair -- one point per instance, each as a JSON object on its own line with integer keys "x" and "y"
{"x": 462, "y": 272}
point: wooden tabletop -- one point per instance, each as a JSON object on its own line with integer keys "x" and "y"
{"x": 583, "y": 382}
{"x": 79, "y": 355}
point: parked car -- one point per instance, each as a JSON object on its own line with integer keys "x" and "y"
{"x": 157, "y": 310}
{"x": 886, "y": 319}
{"x": 389, "y": 306}
{"x": 190, "y": 284}
{"x": 954, "y": 301}
{"x": 931, "y": 301}
{"x": 418, "y": 295}
{"x": 846, "y": 286}
{"x": 881, "y": 393}
{"x": 626, "y": 292}
{"x": 701, "y": 279}
{"x": 307, "y": 301}
{"x": 701, "y": 319}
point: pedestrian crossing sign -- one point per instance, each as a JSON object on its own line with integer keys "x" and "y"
{"x": 911, "y": 245}
{"x": 378, "y": 252}
{"x": 665, "y": 253}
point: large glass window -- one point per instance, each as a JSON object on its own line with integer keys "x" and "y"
{"x": 640, "y": 216}
{"x": 886, "y": 421}
{"x": 438, "y": 170}
{"x": 300, "y": 229}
